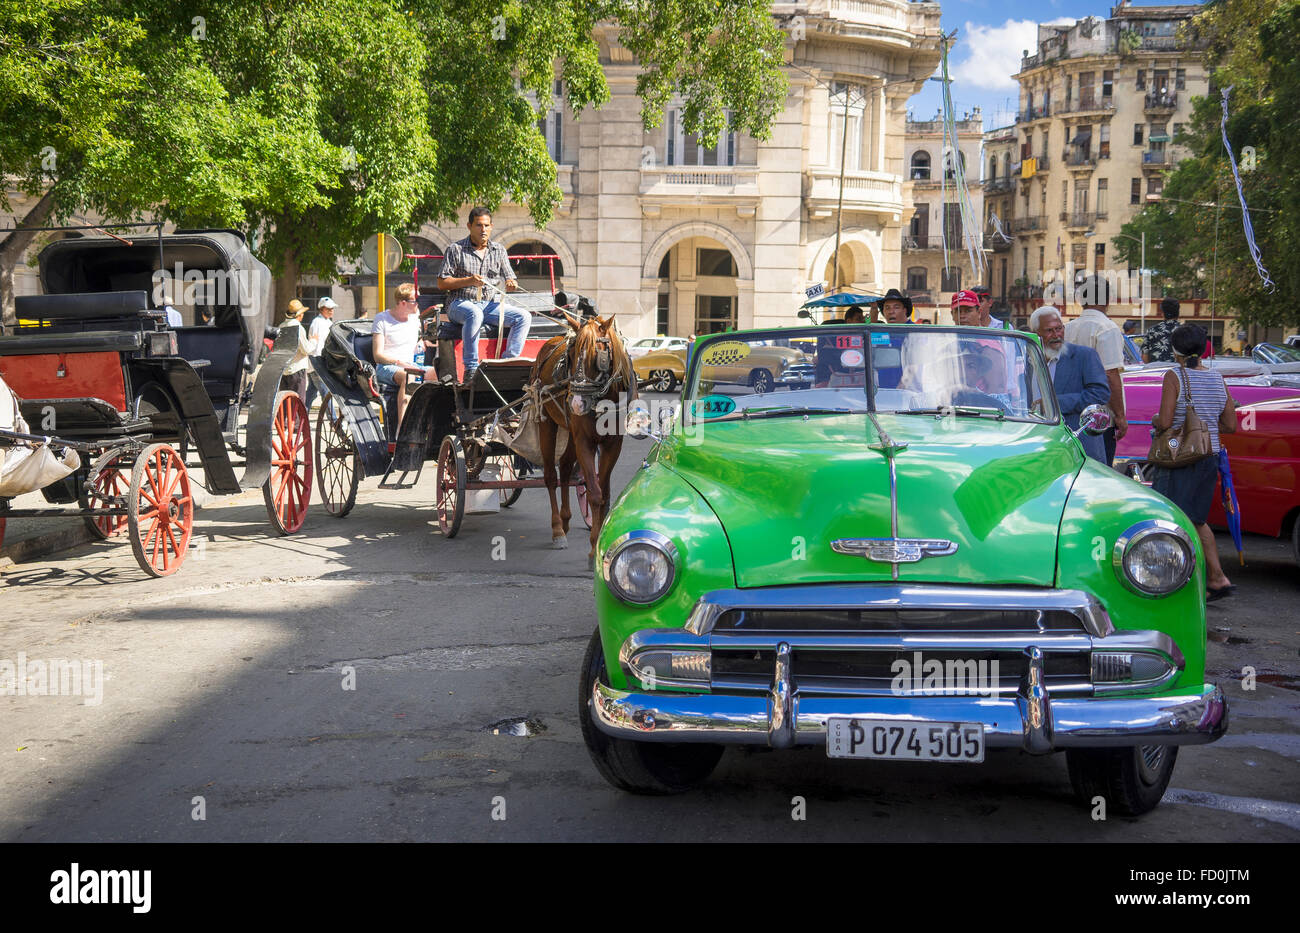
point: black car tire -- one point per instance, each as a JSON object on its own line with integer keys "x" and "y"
{"x": 1295, "y": 541}
{"x": 638, "y": 767}
{"x": 662, "y": 380}
{"x": 1132, "y": 780}
{"x": 761, "y": 380}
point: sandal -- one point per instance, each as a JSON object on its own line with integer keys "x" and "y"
{"x": 1212, "y": 594}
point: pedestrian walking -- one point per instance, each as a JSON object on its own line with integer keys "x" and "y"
{"x": 1191, "y": 487}
{"x": 1157, "y": 348}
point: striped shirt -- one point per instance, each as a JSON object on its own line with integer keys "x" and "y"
{"x": 461, "y": 259}
{"x": 1209, "y": 397}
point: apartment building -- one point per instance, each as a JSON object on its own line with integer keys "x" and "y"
{"x": 1102, "y": 102}
{"x": 1002, "y": 159}
{"x": 936, "y": 261}
{"x": 680, "y": 238}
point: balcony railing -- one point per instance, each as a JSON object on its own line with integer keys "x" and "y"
{"x": 1086, "y": 104}
{"x": 993, "y": 185}
{"x": 683, "y": 183}
{"x": 1161, "y": 102}
{"x": 995, "y": 242}
{"x": 1160, "y": 43}
{"x": 1152, "y": 157}
{"x": 912, "y": 243}
{"x": 1078, "y": 219}
{"x": 1034, "y": 113}
{"x": 1080, "y": 158}
{"x": 1025, "y": 291}
{"x": 864, "y": 12}
{"x": 862, "y": 190}
{"x": 1027, "y": 224}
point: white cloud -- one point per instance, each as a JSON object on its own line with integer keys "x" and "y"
{"x": 992, "y": 53}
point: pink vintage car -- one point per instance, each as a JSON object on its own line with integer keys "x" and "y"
{"x": 1264, "y": 453}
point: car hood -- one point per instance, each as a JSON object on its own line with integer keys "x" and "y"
{"x": 785, "y": 489}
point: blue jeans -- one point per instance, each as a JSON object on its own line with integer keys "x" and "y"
{"x": 471, "y": 315}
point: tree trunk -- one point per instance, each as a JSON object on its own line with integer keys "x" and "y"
{"x": 286, "y": 286}
{"x": 12, "y": 248}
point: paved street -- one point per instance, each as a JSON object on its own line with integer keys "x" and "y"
{"x": 226, "y": 683}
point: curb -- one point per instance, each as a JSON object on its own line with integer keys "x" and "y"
{"x": 43, "y": 545}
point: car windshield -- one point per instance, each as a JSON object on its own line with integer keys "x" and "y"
{"x": 914, "y": 370}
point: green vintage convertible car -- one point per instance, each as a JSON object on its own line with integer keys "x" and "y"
{"x": 911, "y": 559}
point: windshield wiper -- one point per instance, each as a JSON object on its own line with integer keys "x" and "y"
{"x": 753, "y": 413}
{"x": 965, "y": 411}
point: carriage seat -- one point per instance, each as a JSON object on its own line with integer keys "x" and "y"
{"x": 222, "y": 348}
{"x": 33, "y": 342}
{"x": 82, "y": 306}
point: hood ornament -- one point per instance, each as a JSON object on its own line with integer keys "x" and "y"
{"x": 894, "y": 550}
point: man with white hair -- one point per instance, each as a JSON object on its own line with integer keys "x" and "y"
{"x": 1076, "y": 372}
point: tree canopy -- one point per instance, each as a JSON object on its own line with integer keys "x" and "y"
{"x": 312, "y": 123}
{"x": 1194, "y": 234}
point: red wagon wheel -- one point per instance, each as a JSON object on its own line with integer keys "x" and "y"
{"x": 508, "y": 497}
{"x": 161, "y": 510}
{"x": 338, "y": 462}
{"x": 451, "y": 485}
{"x": 111, "y": 483}
{"x": 288, "y": 489}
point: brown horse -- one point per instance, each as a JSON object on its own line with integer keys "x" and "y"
{"x": 575, "y": 374}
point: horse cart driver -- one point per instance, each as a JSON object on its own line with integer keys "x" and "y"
{"x": 468, "y": 266}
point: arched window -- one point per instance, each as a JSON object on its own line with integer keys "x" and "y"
{"x": 949, "y": 170}
{"x": 535, "y": 268}
{"x": 921, "y": 166}
{"x": 993, "y": 168}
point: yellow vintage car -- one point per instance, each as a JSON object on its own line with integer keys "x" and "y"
{"x": 757, "y": 364}
{"x": 661, "y": 370}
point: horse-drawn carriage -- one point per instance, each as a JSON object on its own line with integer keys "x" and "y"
{"x": 99, "y": 371}
{"x": 472, "y": 430}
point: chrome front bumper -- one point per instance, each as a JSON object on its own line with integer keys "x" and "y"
{"x": 1031, "y": 721}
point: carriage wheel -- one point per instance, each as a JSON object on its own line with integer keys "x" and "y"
{"x": 451, "y": 485}
{"x": 288, "y": 489}
{"x": 111, "y": 482}
{"x": 161, "y": 510}
{"x": 338, "y": 462}
{"x": 508, "y": 497}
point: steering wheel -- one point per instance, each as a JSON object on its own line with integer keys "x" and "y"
{"x": 977, "y": 399}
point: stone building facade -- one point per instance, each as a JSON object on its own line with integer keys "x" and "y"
{"x": 677, "y": 238}
{"x": 1101, "y": 104}
{"x": 930, "y": 275}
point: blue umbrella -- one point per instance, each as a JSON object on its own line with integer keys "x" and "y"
{"x": 1228, "y": 497}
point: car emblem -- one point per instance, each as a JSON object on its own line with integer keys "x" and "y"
{"x": 894, "y": 550}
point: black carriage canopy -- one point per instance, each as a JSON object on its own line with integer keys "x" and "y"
{"x": 210, "y": 269}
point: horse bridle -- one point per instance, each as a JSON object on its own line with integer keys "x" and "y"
{"x": 580, "y": 384}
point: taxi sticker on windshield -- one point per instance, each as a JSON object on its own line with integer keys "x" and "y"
{"x": 851, "y": 359}
{"x": 880, "y": 340}
{"x": 721, "y": 354}
{"x": 713, "y": 406}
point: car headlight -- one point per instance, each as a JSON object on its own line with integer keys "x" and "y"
{"x": 640, "y": 566}
{"x": 1154, "y": 557}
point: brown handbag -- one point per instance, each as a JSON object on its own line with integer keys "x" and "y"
{"x": 1190, "y": 443}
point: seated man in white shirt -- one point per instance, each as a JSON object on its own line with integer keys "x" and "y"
{"x": 397, "y": 333}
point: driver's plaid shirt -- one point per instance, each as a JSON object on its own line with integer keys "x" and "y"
{"x": 461, "y": 260}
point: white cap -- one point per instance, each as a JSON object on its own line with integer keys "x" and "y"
{"x": 326, "y": 302}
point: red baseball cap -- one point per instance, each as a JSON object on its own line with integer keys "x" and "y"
{"x": 965, "y": 298}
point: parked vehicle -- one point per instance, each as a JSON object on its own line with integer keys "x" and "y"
{"x": 1275, "y": 353}
{"x": 646, "y": 345}
{"x": 788, "y": 567}
{"x": 97, "y": 366}
{"x": 660, "y": 371}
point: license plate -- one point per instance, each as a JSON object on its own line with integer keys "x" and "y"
{"x": 904, "y": 740}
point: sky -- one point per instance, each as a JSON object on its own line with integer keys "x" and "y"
{"x": 991, "y": 34}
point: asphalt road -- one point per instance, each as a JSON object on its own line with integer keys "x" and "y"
{"x": 224, "y": 696}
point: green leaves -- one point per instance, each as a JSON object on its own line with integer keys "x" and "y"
{"x": 1196, "y": 245}
{"x": 317, "y": 123}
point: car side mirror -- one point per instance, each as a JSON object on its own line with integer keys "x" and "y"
{"x": 1094, "y": 420}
